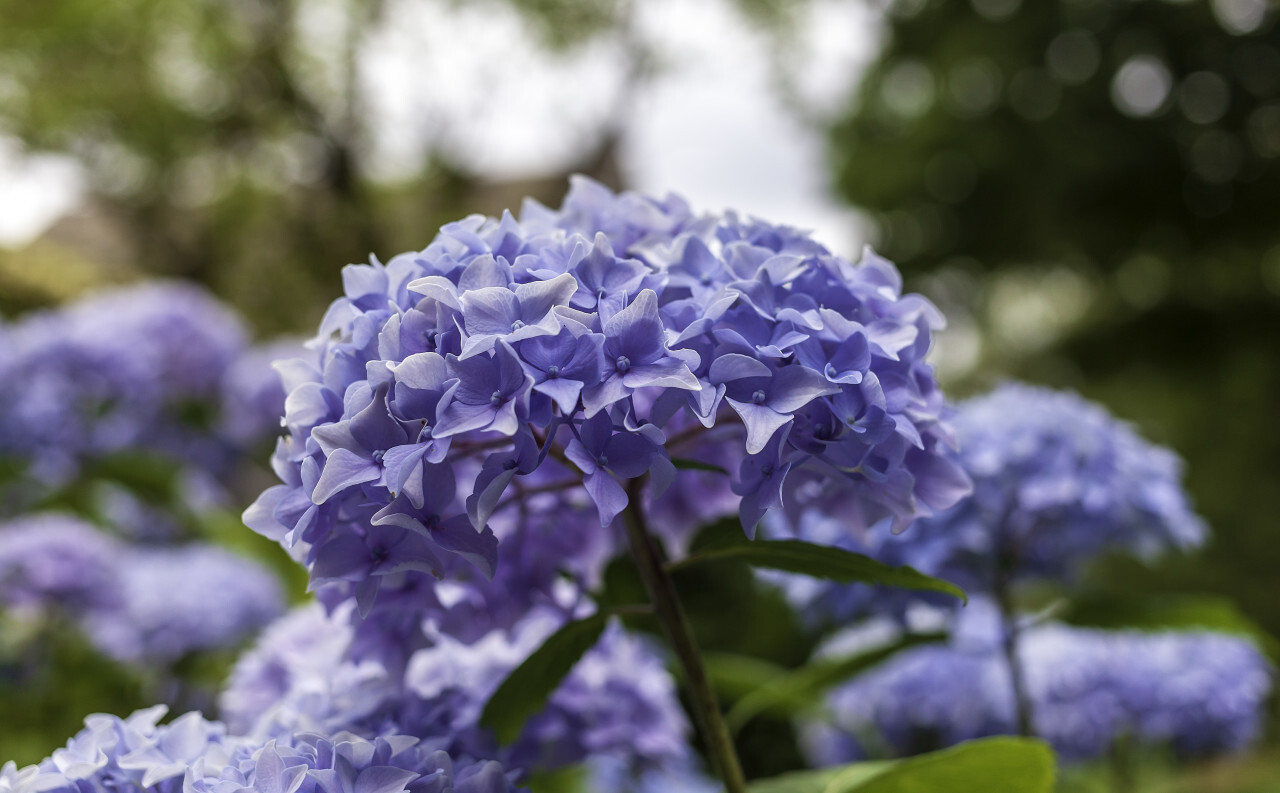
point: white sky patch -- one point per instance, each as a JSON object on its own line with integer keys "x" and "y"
{"x": 35, "y": 190}
{"x": 473, "y": 81}
{"x": 712, "y": 127}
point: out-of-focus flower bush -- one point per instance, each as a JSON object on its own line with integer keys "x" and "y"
{"x": 459, "y": 450}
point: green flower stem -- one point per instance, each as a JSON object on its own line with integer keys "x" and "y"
{"x": 1009, "y": 625}
{"x": 667, "y": 607}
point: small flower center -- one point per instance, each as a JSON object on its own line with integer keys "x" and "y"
{"x": 378, "y": 455}
{"x": 429, "y": 336}
{"x": 553, "y": 372}
{"x": 766, "y": 471}
{"x": 602, "y": 461}
{"x": 759, "y": 396}
{"x": 496, "y": 399}
{"x": 623, "y": 363}
{"x": 507, "y": 465}
{"x": 600, "y": 293}
{"x": 705, "y": 280}
{"x": 517, "y": 325}
{"x": 830, "y": 371}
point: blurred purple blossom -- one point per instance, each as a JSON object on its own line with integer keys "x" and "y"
{"x": 619, "y": 702}
{"x": 1200, "y": 693}
{"x": 185, "y": 599}
{"x": 57, "y": 563}
{"x": 1057, "y": 482}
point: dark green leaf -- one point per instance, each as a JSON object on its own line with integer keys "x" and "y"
{"x": 819, "y": 561}
{"x": 686, "y": 464}
{"x": 526, "y": 690}
{"x": 801, "y": 689}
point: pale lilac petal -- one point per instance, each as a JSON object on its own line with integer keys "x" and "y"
{"x": 344, "y": 469}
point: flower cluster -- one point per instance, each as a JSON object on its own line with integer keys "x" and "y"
{"x": 52, "y": 563}
{"x": 161, "y": 369}
{"x": 193, "y": 755}
{"x": 598, "y": 341}
{"x": 167, "y": 612}
{"x": 1057, "y": 482}
{"x": 137, "y": 604}
{"x": 1200, "y": 693}
{"x": 619, "y": 701}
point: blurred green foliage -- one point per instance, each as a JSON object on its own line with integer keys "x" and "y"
{"x": 50, "y": 677}
{"x": 1121, "y": 158}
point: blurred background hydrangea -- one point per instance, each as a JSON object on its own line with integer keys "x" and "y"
{"x": 1084, "y": 187}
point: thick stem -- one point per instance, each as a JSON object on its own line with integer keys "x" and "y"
{"x": 674, "y": 623}
{"x": 1009, "y": 627}
{"x": 1123, "y": 776}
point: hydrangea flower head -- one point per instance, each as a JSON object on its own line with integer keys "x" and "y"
{"x": 182, "y": 599}
{"x": 1200, "y": 693}
{"x": 194, "y": 755}
{"x": 618, "y": 702}
{"x": 113, "y": 372}
{"x": 600, "y": 340}
{"x": 58, "y": 562}
{"x": 1057, "y": 481}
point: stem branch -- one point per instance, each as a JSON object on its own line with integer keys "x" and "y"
{"x": 1009, "y": 627}
{"x": 674, "y": 623}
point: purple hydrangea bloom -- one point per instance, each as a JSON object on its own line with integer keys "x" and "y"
{"x": 614, "y": 333}
{"x": 552, "y": 549}
{"x": 113, "y": 372}
{"x": 295, "y": 653}
{"x": 53, "y": 562}
{"x": 185, "y": 599}
{"x": 606, "y": 773}
{"x": 194, "y": 755}
{"x": 1200, "y": 693}
{"x": 1057, "y": 482}
{"x": 618, "y": 702}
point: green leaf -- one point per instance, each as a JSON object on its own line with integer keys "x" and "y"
{"x": 687, "y": 464}
{"x": 570, "y": 779}
{"x": 801, "y": 689}
{"x": 735, "y": 676}
{"x": 991, "y": 765}
{"x": 1170, "y": 612}
{"x": 823, "y": 779}
{"x": 526, "y": 690}
{"x": 819, "y": 561}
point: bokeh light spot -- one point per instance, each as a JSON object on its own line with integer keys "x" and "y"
{"x": 1073, "y": 56}
{"x": 1141, "y": 86}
